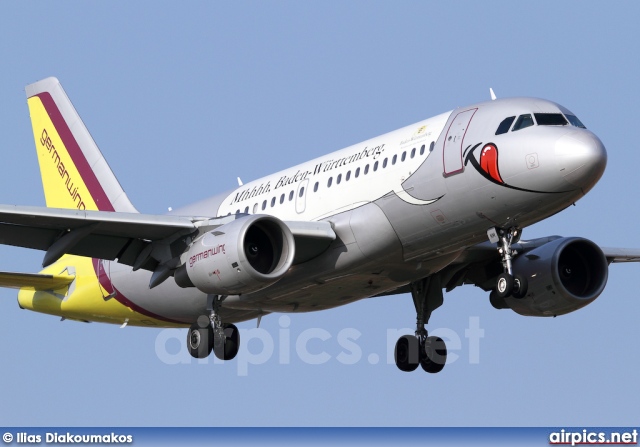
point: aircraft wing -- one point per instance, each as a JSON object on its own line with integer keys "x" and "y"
{"x": 480, "y": 264}
{"x": 140, "y": 240}
{"x": 621, "y": 254}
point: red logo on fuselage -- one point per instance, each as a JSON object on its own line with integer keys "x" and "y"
{"x": 489, "y": 162}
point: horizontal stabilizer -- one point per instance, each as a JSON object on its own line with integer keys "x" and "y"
{"x": 34, "y": 281}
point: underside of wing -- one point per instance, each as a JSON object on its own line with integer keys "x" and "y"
{"x": 143, "y": 241}
{"x": 480, "y": 264}
{"x": 621, "y": 254}
{"x": 97, "y": 234}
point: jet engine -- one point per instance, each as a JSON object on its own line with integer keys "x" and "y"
{"x": 563, "y": 275}
{"x": 243, "y": 256}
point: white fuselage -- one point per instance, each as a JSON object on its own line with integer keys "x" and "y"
{"x": 379, "y": 196}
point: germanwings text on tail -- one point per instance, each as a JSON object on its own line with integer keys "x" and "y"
{"x": 431, "y": 206}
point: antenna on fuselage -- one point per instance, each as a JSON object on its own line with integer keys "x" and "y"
{"x": 493, "y": 95}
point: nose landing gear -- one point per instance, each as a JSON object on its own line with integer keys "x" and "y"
{"x": 507, "y": 283}
{"x": 421, "y": 349}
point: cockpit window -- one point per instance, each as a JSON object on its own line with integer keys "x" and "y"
{"x": 550, "y": 119}
{"x": 523, "y": 121}
{"x": 575, "y": 121}
{"x": 505, "y": 125}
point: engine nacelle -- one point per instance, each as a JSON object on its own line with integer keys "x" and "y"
{"x": 243, "y": 256}
{"x": 564, "y": 275}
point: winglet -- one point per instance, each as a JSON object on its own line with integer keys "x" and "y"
{"x": 493, "y": 95}
{"x": 74, "y": 173}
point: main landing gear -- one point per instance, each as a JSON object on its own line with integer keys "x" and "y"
{"x": 507, "y": 283}
{"x": 210, "y": 334}
{"x": 421, "y": 349}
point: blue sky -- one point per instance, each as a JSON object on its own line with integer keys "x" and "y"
{"x": 183, "y": 97}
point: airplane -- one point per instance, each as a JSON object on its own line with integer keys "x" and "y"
{"x": 425, "y": 208}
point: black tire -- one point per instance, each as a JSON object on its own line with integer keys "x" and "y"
{"x": 497, "y": 302}
{"x": 228, "y": 348}
{"x": 407, "y": 353}
{"x": 200, "y": 341}
{"x": 434, "y": 355}
{"x": 504, "y": 285}
{"x": 520, "y": 286}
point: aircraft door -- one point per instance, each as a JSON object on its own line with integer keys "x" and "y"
{"x": 301, "y": 196}
{"x": 452, "y": 152}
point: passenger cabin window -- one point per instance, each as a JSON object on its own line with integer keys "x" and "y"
{"x": 523, "y": 121}
{"x": 329, "y": 182}
{"x": 273, "y": 202}
{"x": 394, "y": 159}
{"x": 575, "y": 121}
{"x": 290, "y": 196}
{"x": 338, "y": 179}
{"x": 348, "y": 175}
{"x": 550, "y": 119}
{"x": 431, "y": 146}
{"x": 281, "y": 199}
{"x": 413, "y": 152}
{"x": 505, "y": 125}
{"x": 264, "y": 205}
{"x": 357, "y": 172}
{"x": 384, "y": 163}
{"x": 422, "y": 150}
{"x": 315, "y": 187}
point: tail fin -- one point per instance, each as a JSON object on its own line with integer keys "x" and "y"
{"x": 74, "y": 172}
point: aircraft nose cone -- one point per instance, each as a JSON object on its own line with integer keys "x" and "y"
{"x": 581, "y": 158}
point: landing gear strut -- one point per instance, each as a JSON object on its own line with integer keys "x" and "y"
{"x": 507, "y": 283}
{"x": 209, "y": 333}
{"x": 421, "y": 349}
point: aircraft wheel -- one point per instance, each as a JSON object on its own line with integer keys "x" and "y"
{"x": 520, "y": 286}
{"x": 504, "y": 285}
{"x": 434, "y": 355}
{"x": 228, "y": 348}
{"x": 407, "y": 353}
{"x": 200, "y": 340}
